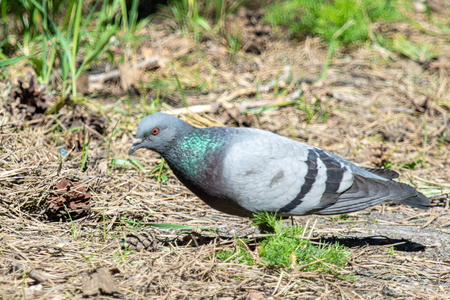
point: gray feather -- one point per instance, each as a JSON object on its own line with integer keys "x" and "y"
{"x": 375, "y": 192}
{"x": 385, "y": 173}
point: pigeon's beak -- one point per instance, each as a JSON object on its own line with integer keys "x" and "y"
{"x": 136, "y": 145}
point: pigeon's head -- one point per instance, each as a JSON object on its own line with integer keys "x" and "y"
{"x": 158, "y": 131}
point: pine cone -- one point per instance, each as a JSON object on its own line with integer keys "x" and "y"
{"x": 28, "y": 97}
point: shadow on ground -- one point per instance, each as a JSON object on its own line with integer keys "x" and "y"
{"x": 398, "y": 244}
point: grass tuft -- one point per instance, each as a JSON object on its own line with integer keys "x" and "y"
{"x": 345, "y": 21}
{"x": 420, "y": 52}
{"x": 289, "y": 247}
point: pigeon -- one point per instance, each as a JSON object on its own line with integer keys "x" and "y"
{"x": 246, "y": 171}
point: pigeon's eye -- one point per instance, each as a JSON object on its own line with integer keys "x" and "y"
{"x": 155, "y": 131}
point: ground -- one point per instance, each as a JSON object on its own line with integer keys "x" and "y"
{"x": 373, "y": 107}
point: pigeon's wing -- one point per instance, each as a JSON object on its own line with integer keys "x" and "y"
{"x": 366, "y": 192}
{"x": 266, "y": 172}
{"x": 385, "y": 173}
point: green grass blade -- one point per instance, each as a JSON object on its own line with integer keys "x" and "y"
{"x": 64, "y": 43}
{"x": 68, "y": 15}
{"x": 181, "y": 92}
{"x": 121, "y": 162}
{"x": 89, "y": 17}
{"x": 123, "y": 7}
{"x": 44, "y": 67}
{"x": 76, "y": 29}
{"x": 133, "y": 15}
{"x": 11, "y": 61}
{"x": 50, "y": 64}
{"x": 169, "y": 226}
{"x": 132, "y": 163}
{"x": 99, "y": 47}
{"x": 85, "y": 153}
{"x": 137, "y": 164}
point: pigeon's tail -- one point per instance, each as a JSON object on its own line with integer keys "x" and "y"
{"x": 367, "y": 192}
{"x": 419, "y": 200}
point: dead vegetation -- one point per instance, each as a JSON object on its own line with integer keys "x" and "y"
{"x": 374, "y": 107}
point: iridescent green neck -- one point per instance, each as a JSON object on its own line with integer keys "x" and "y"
{"x": 193, "y": 153}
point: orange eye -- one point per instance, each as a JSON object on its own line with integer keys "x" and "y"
{"x": 155, "y": 131}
